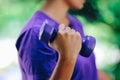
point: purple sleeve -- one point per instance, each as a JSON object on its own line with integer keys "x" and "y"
{"x": 37, "y": 59}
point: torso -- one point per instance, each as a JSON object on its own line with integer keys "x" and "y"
{"x": 85, "y": 68}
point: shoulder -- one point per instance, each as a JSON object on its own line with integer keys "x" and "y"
{"x": 30, "y": 32}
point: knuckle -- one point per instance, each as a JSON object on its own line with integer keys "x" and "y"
{"x": 72, "y": 30}
{"x": 67, "y": 29}
{"x": 60, "y": 34}
{"x": 78, "y": 35}
{"x": 67, "y": 33}
{"x": 61, "y": 26}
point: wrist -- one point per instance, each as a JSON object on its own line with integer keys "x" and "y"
{"x": 68, "y": 57}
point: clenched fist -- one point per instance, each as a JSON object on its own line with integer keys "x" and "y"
{"x": 68, "y": 42}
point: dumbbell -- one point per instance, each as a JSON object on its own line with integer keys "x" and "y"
{"x": 48, "y": 33}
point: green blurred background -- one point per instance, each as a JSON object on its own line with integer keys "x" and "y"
{"x": 100, "y": 18}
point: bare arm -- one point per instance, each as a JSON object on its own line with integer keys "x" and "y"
{"x": 103, "y": 76}
{"x": 64, "y": 44}
{"x": 64, "y": 69}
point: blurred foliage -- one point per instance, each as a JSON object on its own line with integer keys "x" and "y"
{"x": 13, "y": 13}
{"x": 103, "y": 14}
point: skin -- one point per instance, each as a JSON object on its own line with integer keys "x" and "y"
{"x": 57, "y": 9}
{"x": 103, "y": 75}
{"x": 64, "y": 44}
{"x": 66, "y": 37}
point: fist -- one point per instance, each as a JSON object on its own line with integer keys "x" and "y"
{"x": 68, "y": 42}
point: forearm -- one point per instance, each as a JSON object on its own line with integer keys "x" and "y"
{"x": 68, "y": 44}
{"x": 103, "y": 76}
{"x": 64, "y": 69}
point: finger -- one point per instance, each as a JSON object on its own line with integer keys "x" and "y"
{"x": 77, "y": 33}
{"x": 67, "y": 29}
{"x": 51, "y": 44}
{"x": 61, "y": 27}
{"x": 72, "y": 31}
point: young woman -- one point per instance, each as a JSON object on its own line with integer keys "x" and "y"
{"x": 60, "y": 60}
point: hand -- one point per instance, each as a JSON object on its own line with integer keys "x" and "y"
{"x": 67, "y": 43}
